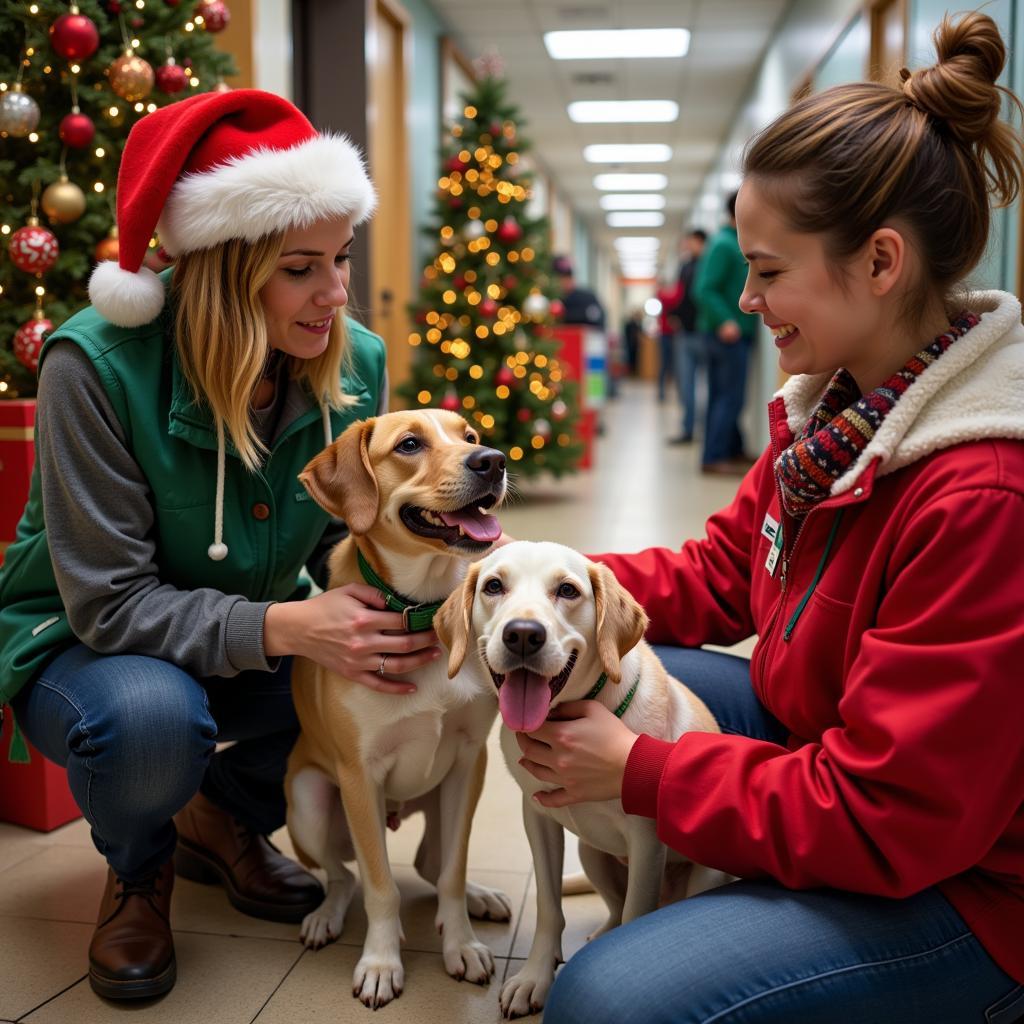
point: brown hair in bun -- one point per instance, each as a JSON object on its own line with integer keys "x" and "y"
{"x": 847, "y": 160}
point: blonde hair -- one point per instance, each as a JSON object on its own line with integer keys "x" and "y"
{"x": 221, "y": 337}
{"x": 844, "y": 161}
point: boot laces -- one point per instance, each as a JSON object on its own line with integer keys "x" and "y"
{"x": 146, "y": 887}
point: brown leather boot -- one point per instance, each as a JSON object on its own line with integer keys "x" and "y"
{"x": 214, "y": 848}
{"x": 131, "y": 955}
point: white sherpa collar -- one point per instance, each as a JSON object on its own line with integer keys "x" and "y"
{"x": 974, "y": 391}
{"x": 264, "y": 191}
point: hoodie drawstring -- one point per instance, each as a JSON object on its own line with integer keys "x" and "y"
{"x": 218, "y": 550}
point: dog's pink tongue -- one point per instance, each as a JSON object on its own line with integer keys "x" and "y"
{"x": 475, "y": 523}
{"x": 524, "y": 699}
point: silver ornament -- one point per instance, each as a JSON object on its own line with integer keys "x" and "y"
{"x": 19, "y": 113}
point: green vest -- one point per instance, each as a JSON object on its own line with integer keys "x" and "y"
{"x": 175, "y": 443}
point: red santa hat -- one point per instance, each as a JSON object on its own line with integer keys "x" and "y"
{"x": 215, "y": 167}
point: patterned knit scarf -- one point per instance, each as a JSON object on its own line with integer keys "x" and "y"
{"x": 845, "y": 421}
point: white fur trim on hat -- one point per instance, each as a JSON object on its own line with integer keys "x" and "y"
{"x": 265, "y": 191}
{"x": 124, "y": 298}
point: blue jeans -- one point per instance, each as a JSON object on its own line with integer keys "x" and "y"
{"x": 755, "y": 952}
{"x": 664, "y": 363}
{"x": 688, "y": 355}
{"x": 727, "y": 388}
{"x": 137, "y": 737}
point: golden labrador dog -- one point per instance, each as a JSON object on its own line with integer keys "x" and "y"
{"x": 414, "y": 489}
{"x": 544, "y": 625}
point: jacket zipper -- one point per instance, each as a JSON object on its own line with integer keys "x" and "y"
{"x": 762, "y": 661}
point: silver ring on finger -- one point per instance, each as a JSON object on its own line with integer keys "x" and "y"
{"x": 380, "y": 667}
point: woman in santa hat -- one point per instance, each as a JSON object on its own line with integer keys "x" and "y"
{"x": 180, "y": 408}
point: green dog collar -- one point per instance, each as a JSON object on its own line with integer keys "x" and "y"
{"x": 415, "y": 617}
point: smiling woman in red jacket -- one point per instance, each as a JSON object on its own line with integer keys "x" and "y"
{"x": 868, "y": 784}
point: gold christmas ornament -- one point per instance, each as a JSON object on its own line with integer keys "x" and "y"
{"x": 131, "y": 77}
{"x": 63, "y": 201}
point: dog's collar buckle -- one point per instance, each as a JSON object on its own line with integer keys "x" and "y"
{"x": 413, "y": 609}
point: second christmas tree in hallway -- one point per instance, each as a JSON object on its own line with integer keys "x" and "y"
{"x": 482, "y": 341}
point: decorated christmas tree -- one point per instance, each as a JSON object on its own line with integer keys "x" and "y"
{"x": 74, "y": 78}
{"x": 482, "y": 341}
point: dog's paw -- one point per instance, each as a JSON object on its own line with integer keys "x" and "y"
{"x": 320, "y": 927}
{"x": 469, "y": 961}
{"x": 487, "y": 904}
{"x": 377, "y": 980}
{"x": 324, "y": 924}
{"x": 524, "y": 993}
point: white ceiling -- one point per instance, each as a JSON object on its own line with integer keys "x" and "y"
{"x": 728, "y": 39}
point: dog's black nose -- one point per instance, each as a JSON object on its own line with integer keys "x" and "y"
{"x": 524, "y": 636}
{"x": 487, "y": 463}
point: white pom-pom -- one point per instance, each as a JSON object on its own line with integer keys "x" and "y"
{"x": 124, "y": 298}
{"x": 218, "y": 552}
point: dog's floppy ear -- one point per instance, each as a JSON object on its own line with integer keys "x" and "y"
{"x": 620, "y": 620}
{"x": 451, "y": 623}
{"x": 340, "y": 479}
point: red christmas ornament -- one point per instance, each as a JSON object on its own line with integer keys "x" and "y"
{"x": 33, "y": 248}
{"x": 28, "y": 340}
{"x": 106, "y": 248}
{"x": 74, "y": 36}
{"x": 495, "y": 129}
{"x": 171, "y": 78}
{"x": 455, "y": 164}
{"x": 505, "y": 376}
{"x": 556, "y": 309}
{"x": 509, "y": 281}
{"x": 509, "y": 231}
{"x": 172, "y": 3}
{"x": 114, "y": 6}
{"x": 489, "y": 307}
{"x": 459, "y": 283}
{"x": 524, "y": 415}
{"x": 455, "y": 203}
{"x": 215, "y": 15}
{"x": 138, "y": 22}
{"x": 450, "y": 402}
{"x": 76, "y": 130}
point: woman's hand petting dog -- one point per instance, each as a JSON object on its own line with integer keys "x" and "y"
{"x": 346, "y": 631}
{"x": 582, "y": 749}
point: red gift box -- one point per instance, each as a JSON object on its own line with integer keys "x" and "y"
{"x": 34, "y": 794}
{"x": 17, "y": 454}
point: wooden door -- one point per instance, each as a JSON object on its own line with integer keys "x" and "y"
{"x": 388, "y": 45}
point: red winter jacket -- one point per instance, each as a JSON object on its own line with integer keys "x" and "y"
{"x": 896, "y": 659}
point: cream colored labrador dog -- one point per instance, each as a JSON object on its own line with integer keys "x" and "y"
{"x": 415, "y": 489}
{"x": 544, "y": 625}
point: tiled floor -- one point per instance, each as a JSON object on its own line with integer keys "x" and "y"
{"x": 234, "y": 969}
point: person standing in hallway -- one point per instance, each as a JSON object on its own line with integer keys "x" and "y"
{"x": 175, "y": 411}
{"x": 867, "y": 786}
{"x": 581, "y": 306}
{"x": 689, "y": 345}
{"x": 728, "y": 337}
{"x": 668, "y": 299}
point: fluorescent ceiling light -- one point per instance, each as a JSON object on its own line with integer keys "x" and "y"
{"x": 635, "y": 219}
{"x": 628, "y": 153}
{"x": 631, "y": 201}
{"x": 607, "y": 44}
{"x": 627, "y": 201}
{"x": 630, "y": 182}
{"x": 637, "y": 242}
{"x": 623, "y": 111}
